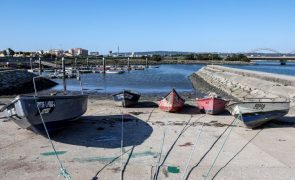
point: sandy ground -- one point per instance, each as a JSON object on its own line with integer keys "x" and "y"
{"x": 90, "y": 147}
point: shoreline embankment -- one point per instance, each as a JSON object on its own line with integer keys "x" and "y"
{"x": 120, "y": 62}
{"x": 20, "y": 82}
{"x": 246, "y": 84}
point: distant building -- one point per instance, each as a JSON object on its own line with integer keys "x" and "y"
{"x": 94, "y": 53}
{"x": 57, "y": 52}
{"x": 2, "y": 54}
{"x": 78, "y": 52}
{"x": 132, "y": 54}
{"x": 111, "y": 53}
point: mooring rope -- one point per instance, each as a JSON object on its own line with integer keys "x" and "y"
{"x": 168, "y": 152}
{"x": 211, "y": 147}
{"x": 161, "y": 151}
{"x": 122, "y": 132}
{"x": 215, "y": 159}
{"x": 237, "y": 153}
{"x": 63, "y": 171}
{"x": 171, "y": 147}
{"x": 125, "y": 166}
{"x": 193, "y": 150}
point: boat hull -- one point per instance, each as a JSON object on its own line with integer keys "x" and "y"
{"x": 211, "y": 105}
{"x": 254, "y": 114}
{"x": 56, "y": 111}
{"x": 172, "y": 102}
{"x": 126, "y": 98}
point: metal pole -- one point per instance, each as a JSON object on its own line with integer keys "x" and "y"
{"x": 55, "y": 62}
{"x": 31, "y": 64}
{"x": 64, "y": 73}
{"x": 75, "y": 63}
{"x": 87, "y": 62}
{"x": 104, "y": 65}
{"x": 146, "y": 62}
{"x": 128, "y": 64}
{"x": 40, "y": 66}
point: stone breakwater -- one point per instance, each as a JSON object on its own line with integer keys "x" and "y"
{"x": 246, "y": 84}
{"x": 14, "y": 82}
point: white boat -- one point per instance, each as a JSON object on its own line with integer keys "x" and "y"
{"x": 256, "y": 113}
{"x": 33, "y": 70}
{"x": 115, "y": 71}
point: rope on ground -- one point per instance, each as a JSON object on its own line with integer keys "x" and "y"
{"x": 113, "y": 160}
{"x": 237, "y": 153}
{"x": 211, "y": 147}
{"x": 193, "y": 150}
{"x": 214, "y": 161}
{"x": 161, "y": 151}
{"x": 129, "y": 157}
{"x": 63, "y": 171}
{"x": 171, "y": 147}
{"x": 122, "y": 138}
{"x": 150, "y": 115}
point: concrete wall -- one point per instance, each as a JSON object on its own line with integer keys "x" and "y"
{"x": 21, "y": 81}
{"x": 245, "y": 84}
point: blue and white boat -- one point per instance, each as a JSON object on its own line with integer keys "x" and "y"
{"x": 126, "y": 98}
{"x": 256, "y": 113}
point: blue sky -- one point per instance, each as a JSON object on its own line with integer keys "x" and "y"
{"x": 146, "y": 25}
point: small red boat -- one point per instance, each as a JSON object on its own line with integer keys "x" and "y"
{"x": 211, "y": 104}
{"x": 172, "y": 102}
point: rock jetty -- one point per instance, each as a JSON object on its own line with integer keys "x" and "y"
{"x": 20, "y": 81}
{"x": 244, "y": 84}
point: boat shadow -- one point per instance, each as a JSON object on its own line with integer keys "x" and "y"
{"x": 190, "y": 109}
{"x": 282, "y": 123}
{"x": 105, "y": 131}
{"x": 145, "y": 104}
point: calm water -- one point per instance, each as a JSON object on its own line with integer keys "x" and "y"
{"x": 159, "y": 80}
{"x": 152, "y": 80}
{"x": 270, "y": 67}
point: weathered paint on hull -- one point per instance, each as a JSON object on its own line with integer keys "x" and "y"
{"x": 256, "y": 120}
{"x": 54, "y": 109}
{"x": 211, "y": 105}
{"x": 254, "y": 114}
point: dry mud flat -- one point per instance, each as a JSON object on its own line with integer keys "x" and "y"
{"x": 90, "y": 147}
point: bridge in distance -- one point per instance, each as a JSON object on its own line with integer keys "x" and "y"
{"x": 277, "y": 56}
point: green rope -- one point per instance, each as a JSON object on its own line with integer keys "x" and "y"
{"x": 214, "y": 161}
{"x": 65, "y": 174}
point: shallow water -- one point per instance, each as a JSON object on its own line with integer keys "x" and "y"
{"x": 270, "y": 67}
{"x": 152, "y": 80}
{"x": 159, "y": 80}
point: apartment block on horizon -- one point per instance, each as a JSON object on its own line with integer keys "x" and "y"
{"x": 57, "y": 52}
{"x": 78, "y": 52}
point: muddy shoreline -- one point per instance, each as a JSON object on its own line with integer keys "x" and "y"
{"x": 201, "y": 88}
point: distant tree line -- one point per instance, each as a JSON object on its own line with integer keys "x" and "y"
{"x": 208, "y": 56}
{"x": 237, "y": 57}
{"x": 202, "y": 57}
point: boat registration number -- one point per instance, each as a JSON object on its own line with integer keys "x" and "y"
{"x": 259, "y": 106}
{"x": 46, "y": 106}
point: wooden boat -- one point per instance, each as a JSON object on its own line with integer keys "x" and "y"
{"x": 172, "y": 102}
{"x": 212, "y": 104}
{"x": 256, "y": 113}
{"x": 126, "y": 98}
{"x": 56, "y": 111}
